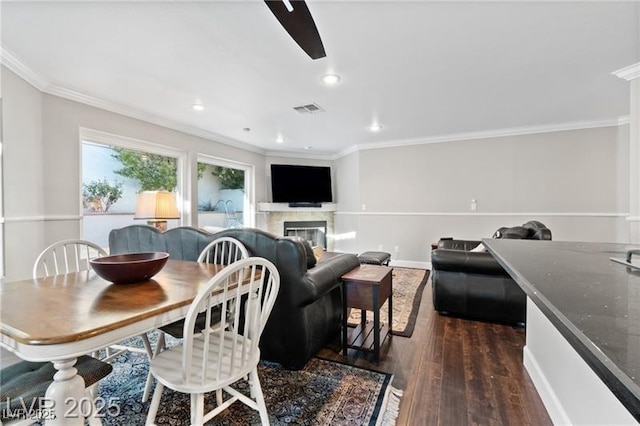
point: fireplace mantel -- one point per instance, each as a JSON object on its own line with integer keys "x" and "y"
{"x": 284, "y": 207}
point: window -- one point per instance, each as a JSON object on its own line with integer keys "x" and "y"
{"x": 114, "y": 170}
{"x": 225, "y": 197}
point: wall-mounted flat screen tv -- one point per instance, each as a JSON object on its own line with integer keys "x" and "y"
{"x": 301, "y": 185}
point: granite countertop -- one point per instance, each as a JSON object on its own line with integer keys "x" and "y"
{"x": 593, "y": 301}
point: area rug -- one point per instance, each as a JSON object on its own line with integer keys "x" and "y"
{"x": 323, "y": 393}
{"x": 408, "y": 285}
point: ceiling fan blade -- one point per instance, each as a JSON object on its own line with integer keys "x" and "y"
{"x": 299, "y": 24}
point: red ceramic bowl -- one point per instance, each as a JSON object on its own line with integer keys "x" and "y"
{"x": 130, "y": 267}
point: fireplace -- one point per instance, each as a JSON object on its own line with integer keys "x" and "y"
{"x": 315, "y": 231}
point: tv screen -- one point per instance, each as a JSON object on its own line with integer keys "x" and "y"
{"x": 300, "y": 184}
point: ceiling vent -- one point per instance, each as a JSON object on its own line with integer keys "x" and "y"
{"x": 309, "y": 109}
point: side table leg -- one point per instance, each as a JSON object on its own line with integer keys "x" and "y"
{"x": 376, "y": 324}
{"x": 65, "y": 394}
{"x": 345, "y": 313}
{"x": 390, "y": 306}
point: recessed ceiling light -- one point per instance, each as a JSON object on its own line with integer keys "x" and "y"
{"x": 308, "y": 147}
{"x": 198, "y": 107}
{"x": 375, "y": 127}
{"x": 280, "y": 139}
{"x": 331, "y": 78}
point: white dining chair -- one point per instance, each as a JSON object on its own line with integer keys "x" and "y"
{"x": 221, "y": 251}
{"x": 66, "y": 256}
{"x": 74, "y": 255}
{"x": 218, "y": 356}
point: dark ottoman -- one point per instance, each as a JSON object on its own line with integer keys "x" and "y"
{"x": 375, "y": 258}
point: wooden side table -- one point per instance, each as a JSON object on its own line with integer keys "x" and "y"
{"x": 367, "y": 288}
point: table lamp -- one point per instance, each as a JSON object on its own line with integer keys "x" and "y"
{"x": 156, "y": 207}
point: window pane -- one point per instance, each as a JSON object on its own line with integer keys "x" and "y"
{"x": 221, "y": 196}
{"x": 112, "y": 177}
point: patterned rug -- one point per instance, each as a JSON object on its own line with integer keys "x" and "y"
{"x": 408, "y": 285}
{"x": 323, "y": 393}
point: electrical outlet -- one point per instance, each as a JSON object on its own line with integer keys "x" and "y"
{"x": 396, "y": 250}
{"x": 474, "y": 205}
{"x": 364, "y": 207}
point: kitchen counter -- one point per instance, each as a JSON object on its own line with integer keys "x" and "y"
{"x": 593, "y": 302}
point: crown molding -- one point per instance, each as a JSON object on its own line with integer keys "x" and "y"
{"x": 494, "y": 133}
{"x": 299, "y": 154}
{"x": 628, "y": 73}
{"x": 344, "y": 153}
{"x": 10, "y": 61}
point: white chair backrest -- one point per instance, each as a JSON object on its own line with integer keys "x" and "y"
{"x": 227, "y": 350}
{"x": 223, "y": 251}
{"x": 66, "y": 256}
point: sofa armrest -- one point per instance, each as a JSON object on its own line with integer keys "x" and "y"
{"x": 451, "y": 244}
{"x": 325, "y": 276}
{"x": 465, "y": 261}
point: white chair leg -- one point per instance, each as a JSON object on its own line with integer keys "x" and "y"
{"x": 155, "y": 403}
{"x": 146, "y": 344}
{"x": 147, "y": 388}
{"x": 256, "y": 390}
{"x": 197, "y": 409}
{"x": 151, "y": 354}
{"x": 219, "y": 397}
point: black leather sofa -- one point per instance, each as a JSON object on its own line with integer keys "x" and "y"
{"x": 472, "y": 284}
{"x": 308, "y": 310}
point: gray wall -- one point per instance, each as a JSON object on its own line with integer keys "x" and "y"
{"x": 23, "y": 175}
{"x": 576, "y": 182}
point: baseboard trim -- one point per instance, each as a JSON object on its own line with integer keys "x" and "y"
{"x": 410, "y": 264}
{"x": 549, "y": 399}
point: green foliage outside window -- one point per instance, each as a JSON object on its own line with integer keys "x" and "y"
{"x": 99, "y": 196}
{"x": 154, "y": 172}
{"x": 229, "y": 178}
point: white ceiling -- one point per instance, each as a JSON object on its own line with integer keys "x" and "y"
{"x": 423, "y": 69}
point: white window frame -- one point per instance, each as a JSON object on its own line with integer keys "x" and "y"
{"x": 248, "y": 217}
{"x": 183, "y": 182}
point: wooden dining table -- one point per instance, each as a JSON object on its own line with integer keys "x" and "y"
{"x": 60, "y": 318}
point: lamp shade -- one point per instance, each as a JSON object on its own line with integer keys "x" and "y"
{"x": 156, "y": 205}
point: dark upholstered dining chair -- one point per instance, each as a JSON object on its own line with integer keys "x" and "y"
{"x": 27, "y": 382}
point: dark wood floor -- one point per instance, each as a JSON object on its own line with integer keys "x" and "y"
{"x": 456, "y": 372}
